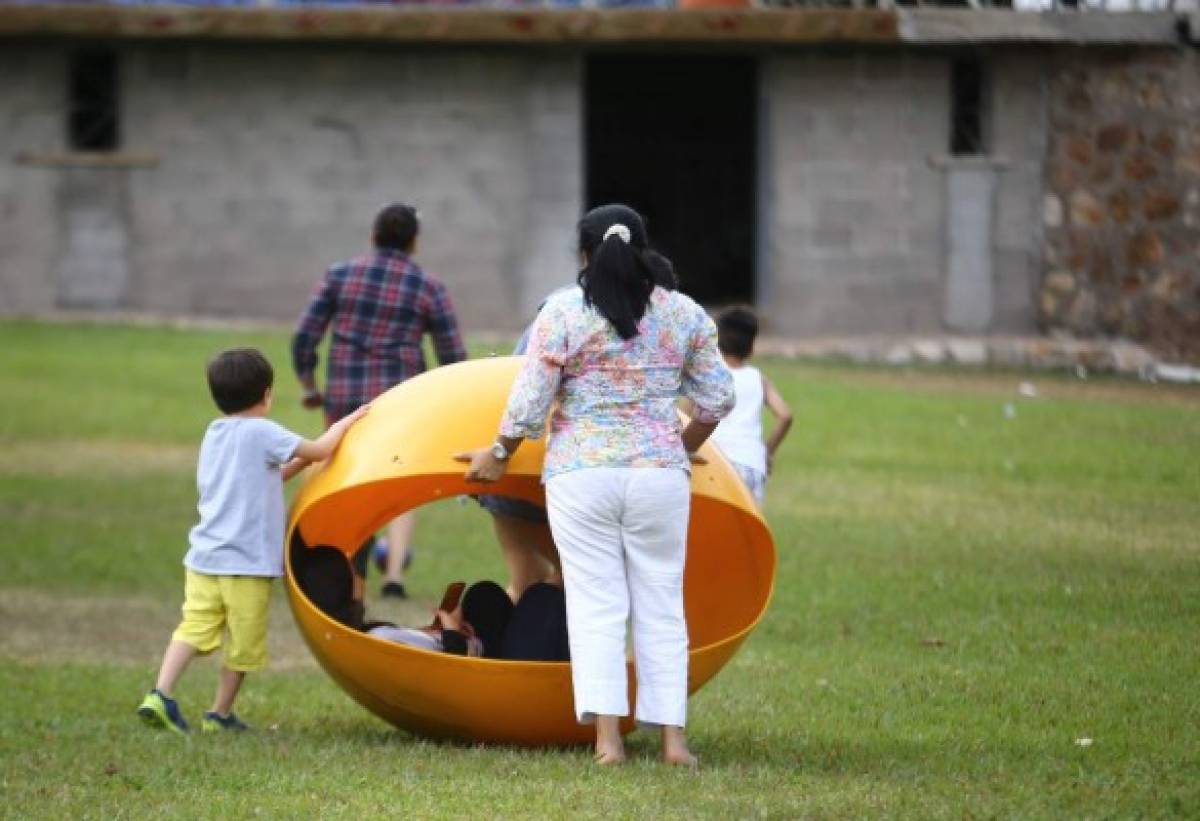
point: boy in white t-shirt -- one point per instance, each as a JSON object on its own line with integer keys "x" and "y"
{"x": 739, "y": 436}
{"x": 236, "y": 550}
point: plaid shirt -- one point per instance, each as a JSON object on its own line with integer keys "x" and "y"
{"x": 380, "y": 306}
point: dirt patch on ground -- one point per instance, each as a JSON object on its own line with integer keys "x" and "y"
{"x": 43, "y": 627}
{"x": 61, "y": 458}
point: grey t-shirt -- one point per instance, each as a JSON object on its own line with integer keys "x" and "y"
{"x": 241, "y": 498}
{"x": 424, "y": 639}
{"x": 411, "y": 636}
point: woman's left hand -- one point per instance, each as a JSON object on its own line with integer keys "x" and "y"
{"x": 484, "y": 467}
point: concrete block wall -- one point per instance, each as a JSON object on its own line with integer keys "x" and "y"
{"x": 855, "y": 199}
{"x": 32, "y": 84}
{"x": 273, "y": 162}
{"x": 853, "y": 205}
{"x": 1019, "y": 134}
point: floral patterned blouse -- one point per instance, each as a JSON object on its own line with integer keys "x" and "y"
{"x": 616, "y": 398}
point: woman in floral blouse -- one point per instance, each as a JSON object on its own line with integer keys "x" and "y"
{"x": 616, "y": 353}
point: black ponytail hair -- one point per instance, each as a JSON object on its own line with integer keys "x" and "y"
{"x": 620, "y": 274}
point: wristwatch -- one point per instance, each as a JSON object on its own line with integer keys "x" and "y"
{"x": 499, "y": 452}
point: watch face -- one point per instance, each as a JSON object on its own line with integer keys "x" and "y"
{"x": 499, "y": 451}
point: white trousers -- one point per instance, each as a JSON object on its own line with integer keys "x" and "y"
{"x": 622, "y": 536}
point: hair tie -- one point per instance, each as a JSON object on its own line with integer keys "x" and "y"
{"x": 620, "y": 231}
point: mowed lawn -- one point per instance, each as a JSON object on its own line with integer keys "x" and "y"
{"x": 981, "y": 611}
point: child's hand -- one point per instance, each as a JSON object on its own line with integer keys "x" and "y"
{"x": 293, "y": 467}
{"x": 357, "y": 413}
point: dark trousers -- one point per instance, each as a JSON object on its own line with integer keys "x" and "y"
{"x": 535, "y": 629}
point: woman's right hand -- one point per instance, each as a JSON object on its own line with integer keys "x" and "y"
{"x": 484, "y": 467}
{"x": 695, "y": 433}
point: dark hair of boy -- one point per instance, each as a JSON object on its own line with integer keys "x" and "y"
{"x": 239, "y": 379}
{"x": 396, "y": 227}
{"x": 736, "y": 330}
{"x": 662, "y": 270}
{"x": 619, "y": 276}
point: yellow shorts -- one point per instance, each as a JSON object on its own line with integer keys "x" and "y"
{"x": 239, "y": 604}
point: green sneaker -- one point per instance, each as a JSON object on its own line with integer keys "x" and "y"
{"x": 215, "y": 722}
{"x": 158, "y": 710}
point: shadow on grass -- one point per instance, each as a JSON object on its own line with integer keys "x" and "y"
{"x": 872, "y": 755}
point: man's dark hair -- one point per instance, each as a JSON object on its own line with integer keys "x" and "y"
{"x": 736, "y": 329}
{"x": 239, "y": 379}
{"x": 396, "y": 227}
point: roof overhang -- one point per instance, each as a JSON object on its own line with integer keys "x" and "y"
{"x": 589, "y": 26}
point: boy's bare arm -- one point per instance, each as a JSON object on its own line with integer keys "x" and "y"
{"x": 783, "y": 419}
{"x": 294, "y": 466}
{"x": 324, "y": 445}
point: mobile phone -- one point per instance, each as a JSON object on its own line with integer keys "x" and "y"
{"x": 452, "y": 595}
{"x": 449, "y": 601}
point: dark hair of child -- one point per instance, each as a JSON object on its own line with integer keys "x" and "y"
{"x": 663, "y": 270}
{"x": 736, "y": 330}
{"x": 239, "y": 378}
{"x": 396, "y": 227}
{"x": 619, "y": 276}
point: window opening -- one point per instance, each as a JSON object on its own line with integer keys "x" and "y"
{"x": 968, "y": 116}
{"x": 92, "y": 123}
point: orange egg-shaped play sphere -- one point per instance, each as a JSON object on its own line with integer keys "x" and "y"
{"x": 399, "y": 457}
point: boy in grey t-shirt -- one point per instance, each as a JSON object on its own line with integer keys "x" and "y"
{"x": 237, "y": 547}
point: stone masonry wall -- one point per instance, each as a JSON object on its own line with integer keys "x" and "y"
{"x": 1122, "y": 202}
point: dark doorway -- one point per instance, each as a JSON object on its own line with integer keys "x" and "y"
{"x": 675, "y": 138}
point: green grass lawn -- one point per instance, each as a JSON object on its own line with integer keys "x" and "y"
{"x": 965, "y": 596}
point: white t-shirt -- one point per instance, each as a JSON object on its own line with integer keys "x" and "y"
{"x": 739, "y": 436}
{"x": 241, "y": 498}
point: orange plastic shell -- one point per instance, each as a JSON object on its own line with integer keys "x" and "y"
{"x": 399, "y": 457}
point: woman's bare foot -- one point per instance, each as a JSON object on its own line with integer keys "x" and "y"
{"x": 610, "y": 749}
{"x": 675, "y": 749}
{"x": 606, "y": 758}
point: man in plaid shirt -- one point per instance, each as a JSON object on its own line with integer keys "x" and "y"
{"x": 380, "y": 306}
